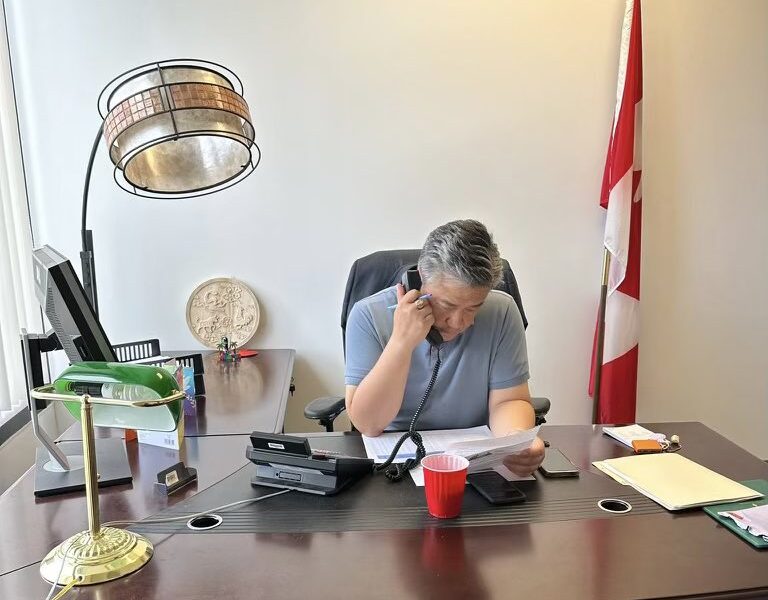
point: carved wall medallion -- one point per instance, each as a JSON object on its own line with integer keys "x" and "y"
{"x": 223, "y": 307}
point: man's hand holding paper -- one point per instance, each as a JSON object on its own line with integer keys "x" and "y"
{"x": 521, "y": 452}
{"x": 524, "y": 463}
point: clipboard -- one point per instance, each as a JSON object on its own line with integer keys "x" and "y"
{"x": 759, "y": 485}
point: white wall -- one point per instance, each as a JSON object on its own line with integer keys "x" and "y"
{"x": 380, "y": 120}
{"x": 705, "y": 227}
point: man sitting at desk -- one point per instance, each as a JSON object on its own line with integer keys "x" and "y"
{"x": 483, "y": 379}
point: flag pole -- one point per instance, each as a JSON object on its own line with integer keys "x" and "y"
{"x": 600, "y": 335}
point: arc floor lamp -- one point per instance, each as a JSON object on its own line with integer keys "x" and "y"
{"x": 174, "y": 129}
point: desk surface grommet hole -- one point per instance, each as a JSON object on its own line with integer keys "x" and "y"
{"x": 204, "y": 522}
{"x": 614, "y": 506}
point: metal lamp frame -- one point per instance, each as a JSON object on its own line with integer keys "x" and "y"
{"x": 105, "y": 106}
{"x": 98, "y": 554}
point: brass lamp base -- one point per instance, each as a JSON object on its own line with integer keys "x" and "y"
{"x": 88, "y": 559}
{"x": 101, "y": 553}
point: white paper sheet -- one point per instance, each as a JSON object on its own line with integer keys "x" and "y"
{"x": 484, "y": 451}
{"x": 628, "y": 433}
{"x": 435, "y": 442}
{"x": 489, "y": 453}
{"x": 417, "y": 474}
{"x": 754, "y": 520}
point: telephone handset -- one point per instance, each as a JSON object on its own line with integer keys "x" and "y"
{"x": 412, "y": 281}
{"x": 396, "y": 472}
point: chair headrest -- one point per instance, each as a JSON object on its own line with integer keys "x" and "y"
{"x": 379, "y": 270}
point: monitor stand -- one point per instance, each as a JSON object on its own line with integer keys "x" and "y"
{"x": 59, "y": 466}
{"x": 53, "y": 478}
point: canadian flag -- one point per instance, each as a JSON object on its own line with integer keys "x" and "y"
{"x": 621, "y": 197}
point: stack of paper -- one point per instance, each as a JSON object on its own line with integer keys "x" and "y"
{"x": 487, "y": 454}
{"x": 628, "y": 433}
{"x": 676, "y": 482}
{"x": 722, "y": 514}
{"x": 477, "y": 444}
{"x": 754, "y": 520}
{"x": 380, "y": 447}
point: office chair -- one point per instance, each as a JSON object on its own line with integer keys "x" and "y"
{"x": 380, "y": 270}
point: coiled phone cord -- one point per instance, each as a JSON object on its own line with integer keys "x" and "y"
{"x": 397, "y": 471}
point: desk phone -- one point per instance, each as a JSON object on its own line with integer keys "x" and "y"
{"x": 285, "y": 461}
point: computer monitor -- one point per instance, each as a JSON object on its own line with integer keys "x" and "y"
{"x": 59, "y": 466}
{"x": 68, "y": 309}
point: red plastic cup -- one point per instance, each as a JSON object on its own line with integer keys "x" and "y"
{"x": 445, "y": 477}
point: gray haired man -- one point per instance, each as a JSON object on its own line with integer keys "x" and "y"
{"x": 483, "y": 379}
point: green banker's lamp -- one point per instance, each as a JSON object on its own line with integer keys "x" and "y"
{"x": 125, "y": 396}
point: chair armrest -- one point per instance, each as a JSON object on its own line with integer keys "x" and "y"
{"x": 326, "y": 408}
{"x": 540, "y": 408}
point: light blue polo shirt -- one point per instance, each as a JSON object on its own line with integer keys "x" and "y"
{"x": 490, "y": 355}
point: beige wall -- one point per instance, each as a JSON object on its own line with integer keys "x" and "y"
{"x": 379, "y": 120}
{"x": 704, "y": 288}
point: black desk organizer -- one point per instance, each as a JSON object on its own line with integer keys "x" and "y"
{"x": 111, "y": 454}
{"x": 374, "y": 503}
{"x": 149, "y": 348}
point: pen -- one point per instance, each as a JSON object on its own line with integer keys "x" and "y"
{"x": 320, "y": 451}
{"x": 479, "y": 455}
{"x": 422, "y": 297}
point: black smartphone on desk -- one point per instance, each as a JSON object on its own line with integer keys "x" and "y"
{"x": 494, "y": 488}
{"x": 556, "y": 464}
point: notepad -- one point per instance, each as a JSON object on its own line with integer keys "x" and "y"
{"x": 677, "y": 482}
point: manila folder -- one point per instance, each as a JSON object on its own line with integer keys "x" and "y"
{"x": 677, "y": 482}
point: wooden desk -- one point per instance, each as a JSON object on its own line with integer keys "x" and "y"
{"x": 240, "y": 398}
{"x": 629, "y": 556}
{"x": 245, "y": 396}
{"x": 250, "y": 395}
